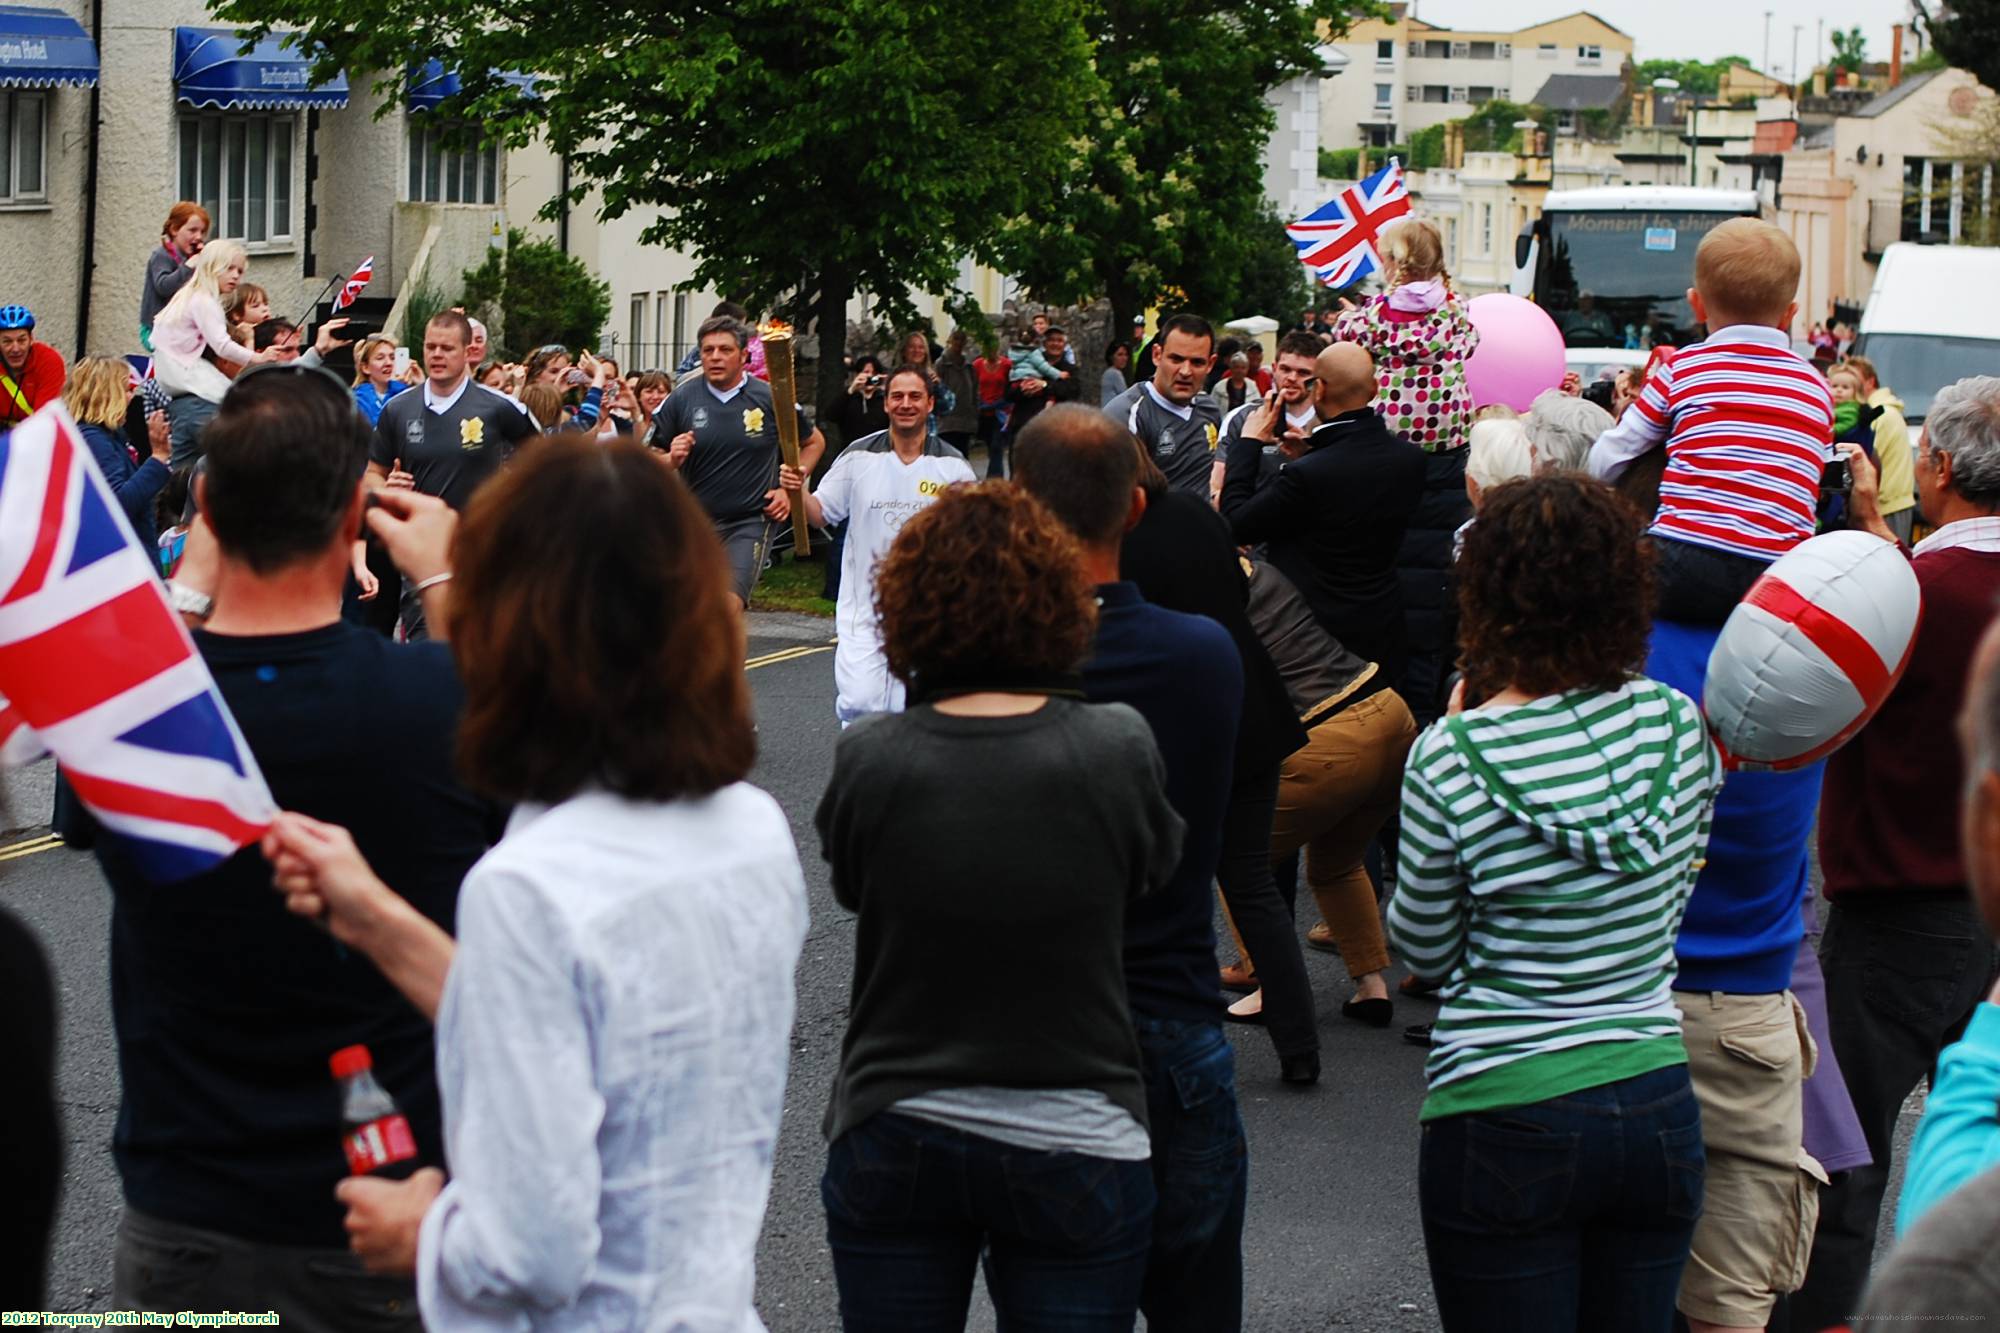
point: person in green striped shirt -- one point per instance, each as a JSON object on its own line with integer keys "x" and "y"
{"x": 1551, "y": 835}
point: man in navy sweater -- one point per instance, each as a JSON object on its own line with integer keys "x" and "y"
{"x": 1184, "y": 676}
{"x": 1748, "y": 1050}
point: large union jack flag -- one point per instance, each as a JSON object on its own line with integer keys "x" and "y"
{"x": 97, "y": 669}
{"x": 1337, "y": 240}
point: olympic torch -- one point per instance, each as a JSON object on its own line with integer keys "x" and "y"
{"x": 785, "y": 402}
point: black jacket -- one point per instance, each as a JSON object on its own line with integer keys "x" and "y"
{"x": 1182, "y": 559}
{"x": 1333, "y": 523}
{"x": 1430, "y": 592}
{"x": 1028, "y": 406}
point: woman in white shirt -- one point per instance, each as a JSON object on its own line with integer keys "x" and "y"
{"x": 613, "y": 1024}
{"x": 189, "y": 325}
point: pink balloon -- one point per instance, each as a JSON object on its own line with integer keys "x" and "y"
{"x": 1520, "y": 352}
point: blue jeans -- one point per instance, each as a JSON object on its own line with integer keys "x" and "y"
{"x": 911, "y": 1204}
{"x": 1573, "y": 1213}
{"x": 1194, "y": 1276}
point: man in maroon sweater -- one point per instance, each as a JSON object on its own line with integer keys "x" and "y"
{"x": 1905, "y": 956}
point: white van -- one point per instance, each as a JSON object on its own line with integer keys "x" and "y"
{"x": 1932, "y": 319}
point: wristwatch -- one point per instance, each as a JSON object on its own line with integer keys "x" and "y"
{"x": 189, "y": 602}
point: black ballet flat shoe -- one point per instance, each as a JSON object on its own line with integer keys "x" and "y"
{"x": 1418, "y": 1034}
{"x": 1300, "y": 1070}
{"x": 1375, "y": 1013}
{"x": 1255, "y": 1020}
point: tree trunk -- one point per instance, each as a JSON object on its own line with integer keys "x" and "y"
{"x": 1125, "y": 307}
{"x": 830, "y": 316}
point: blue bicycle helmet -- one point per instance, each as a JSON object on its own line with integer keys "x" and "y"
{"x": 16, "y": 317}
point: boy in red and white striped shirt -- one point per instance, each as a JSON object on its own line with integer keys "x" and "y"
{"x": 1748, "y": 426}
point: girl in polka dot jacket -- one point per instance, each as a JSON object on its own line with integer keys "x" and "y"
{"x": 1420, "y": 337}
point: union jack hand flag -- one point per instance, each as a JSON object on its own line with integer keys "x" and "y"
{"x": 1337, "y": 240}
{"x": 98, "y": 669}
{"x": 355, "y": 282}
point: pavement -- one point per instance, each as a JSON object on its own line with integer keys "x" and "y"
{"x": 1332, "y": 1239}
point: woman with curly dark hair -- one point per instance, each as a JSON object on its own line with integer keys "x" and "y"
{"x": 1552, "y": 831}
{"x": 977, "y": 1111}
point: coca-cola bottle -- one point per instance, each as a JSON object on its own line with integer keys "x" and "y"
{"x": 376, "y": 1137}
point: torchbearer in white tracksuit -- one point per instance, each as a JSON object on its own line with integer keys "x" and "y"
{"x": 875, "y": 486}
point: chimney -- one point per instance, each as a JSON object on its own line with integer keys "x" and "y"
{"x": 1896, "y": 57}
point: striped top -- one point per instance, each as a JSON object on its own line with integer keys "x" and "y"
{"x": 1748, "y": 425}
{"x": 1548, "y": 853}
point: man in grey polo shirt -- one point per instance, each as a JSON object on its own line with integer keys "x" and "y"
{"x": 1173, "y": 418}
{"x": 721, "y": 435}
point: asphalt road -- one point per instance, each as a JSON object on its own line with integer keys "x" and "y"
{"x": 1332, "y": 1239}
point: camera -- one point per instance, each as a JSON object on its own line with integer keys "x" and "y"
{"x": 875, "y": 381}
{"x": 1837, "y": 479}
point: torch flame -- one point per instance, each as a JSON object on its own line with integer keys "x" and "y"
{"x": 775, "y": 328}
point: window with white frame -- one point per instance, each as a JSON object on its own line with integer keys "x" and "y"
{"x": 1385, "y": 52}
{"x": 1458, "y": 94}
{"x": 1546, "y": 51}
{"x": 636, "y": 330}
{"x": 1384, "y": 93}
{"x": 681, "y": 311}
{"x": 1481, "y": 94}
{"x": 239, "y": 167}
{"x": 1590, "y": 55}
{"x": 23, "y": 147}
{"x": 1486, "y": 229}
{"x": 444, "y": 170}
{"x": 663, "y": 355}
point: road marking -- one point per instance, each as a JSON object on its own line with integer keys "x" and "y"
{"x": 48, "y": 842}
{"x": 785, "y": 655}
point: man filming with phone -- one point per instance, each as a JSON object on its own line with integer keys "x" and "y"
{"x": 1293, "y": 382}
{"x": 281, "y": 336}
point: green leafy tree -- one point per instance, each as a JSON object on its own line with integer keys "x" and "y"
{"x": 1272, "y": 281}
{"x": 802, "y": 152}
{"x": 541, "y": 295}
{"x": 1169, "y": 194}
{"x": 1850, "y": 49}
{"x": 1967, "y": 34}
{"x": 1427, "y": 147}
{"x": 1694, "y": 76}
{"x": 1339, "y": 164}
{"x": 1490, "y": 128}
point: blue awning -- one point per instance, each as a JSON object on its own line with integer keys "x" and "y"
{"x": 41, "y": 48}
{"x": 433, "y": 83}
{"x": 210, "y": 69}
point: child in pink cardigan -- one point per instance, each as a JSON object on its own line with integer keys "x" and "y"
{"x": 1420, "y": 337}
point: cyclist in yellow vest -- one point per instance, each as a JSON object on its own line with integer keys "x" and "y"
{"x": 31, "y": 373}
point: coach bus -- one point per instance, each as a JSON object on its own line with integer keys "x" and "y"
{"x": 1612, "y": 264}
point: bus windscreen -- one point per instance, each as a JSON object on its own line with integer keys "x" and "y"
{"x": 1608, "y": 278}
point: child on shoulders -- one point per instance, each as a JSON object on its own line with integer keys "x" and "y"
{"x": 1420, "y": 336}
{"x": 1747, "y": 424}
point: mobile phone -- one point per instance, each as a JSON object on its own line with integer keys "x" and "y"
{"x": 1837, "y": 479}
{"x": 402, "y": 362}
{"x": 574, "y": 376}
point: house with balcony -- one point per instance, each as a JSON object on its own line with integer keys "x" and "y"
{"x": 1404, "y": 75}
{"x": 1896, "y": 168}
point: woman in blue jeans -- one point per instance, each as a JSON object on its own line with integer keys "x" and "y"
{"x": 978, "y": 1114}
{"x": 1552, "y": 830}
